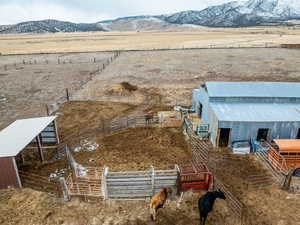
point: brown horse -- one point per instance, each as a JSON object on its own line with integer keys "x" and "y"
{"x": 158, "y": 200}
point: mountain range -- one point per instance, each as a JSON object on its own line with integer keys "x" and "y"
{"x": 232, "y": 14}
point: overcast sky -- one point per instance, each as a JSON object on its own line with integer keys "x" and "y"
{"x": 14, "y": 11}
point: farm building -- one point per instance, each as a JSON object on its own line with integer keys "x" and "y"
{"x": 23, "y": 136}
{"x": 238, "y": 111}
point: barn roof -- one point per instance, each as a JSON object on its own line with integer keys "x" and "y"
{"x": 15, "y": 137}
{"x": 253, "y": 89}
{"x": 257, "y": 112}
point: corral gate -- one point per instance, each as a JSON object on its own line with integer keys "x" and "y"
{"x": 137, "y": 184}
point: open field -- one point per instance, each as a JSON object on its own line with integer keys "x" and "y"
{"x": 26, "y": 88}
{"x": 173, "y": 74}
{"x": 108, "y": 41}
{"x": 162, "y": 77}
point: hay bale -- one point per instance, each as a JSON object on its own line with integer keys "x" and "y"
{"x": 124, "y": 88}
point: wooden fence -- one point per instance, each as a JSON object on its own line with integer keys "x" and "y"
{"x": 39, "y": 183}
{"x": 137, "y": 184}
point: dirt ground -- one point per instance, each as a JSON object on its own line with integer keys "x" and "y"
{"x": 19, "y": 207}
{"x": 31, "y": 207}
{"x": 77, "y": 116}
{"x": 131, "y": 149}
{"x": 266, "y": 206}
{"x": 138, "y": 149}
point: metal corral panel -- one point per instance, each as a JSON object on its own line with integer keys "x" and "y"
{"x": 20, "y": 133}
{"x": 8, "y": 173}
{"x": 253, "y": 89}
{"x": 259, "y": 112}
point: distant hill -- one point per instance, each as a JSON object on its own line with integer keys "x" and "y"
{"x": 49, "y": 26}
{"x": 144, "y": 23}
{"x": 232, "y": 14}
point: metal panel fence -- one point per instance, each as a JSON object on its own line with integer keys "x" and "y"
{"x": 200, "y": 152}
{"x": 137, "y": 184}
{"x": 107, "y": 127}
{"x": 101, "y": 183}
{"x": 267, "y": 162}
{"x": 234, "y": 204}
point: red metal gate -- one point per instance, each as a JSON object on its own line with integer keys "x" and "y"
{"x": 194, "y": 176}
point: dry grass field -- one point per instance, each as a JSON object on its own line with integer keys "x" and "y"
{"x": 26, "y": 88}
{"x": 107, "y": 41}
{"x": 162, "y": 77}
{"x": 173, "y": 74}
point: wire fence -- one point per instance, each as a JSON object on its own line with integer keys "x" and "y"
{"x": 236, "y": 45}
{"x": 67, "y": 96}
{"x": 102, "y": 63}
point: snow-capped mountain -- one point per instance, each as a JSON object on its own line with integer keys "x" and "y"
{"x": 232, "y": 14}
{"x": 240, "y": 13}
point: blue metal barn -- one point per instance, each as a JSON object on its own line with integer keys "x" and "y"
{"x": 248, "y": 110}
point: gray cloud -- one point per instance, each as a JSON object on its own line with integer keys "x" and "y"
{"x": 14, "y": 11}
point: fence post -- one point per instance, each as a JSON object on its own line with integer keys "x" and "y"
{"x": 64, "y": 188}
{"x": 47, "y": 110}
{"x": 153, "y": 180}
{"x": 104, "y": 183}
{"x": 67, "y": 94}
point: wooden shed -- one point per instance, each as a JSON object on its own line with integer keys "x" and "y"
{"x": 16, "y": 138}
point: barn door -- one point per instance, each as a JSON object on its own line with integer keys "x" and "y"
{"x": 263, "y": 134}
{"x": 298, "y": 134}
{"x": 223, "y": 137}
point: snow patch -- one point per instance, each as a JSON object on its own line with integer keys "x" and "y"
{"x": 86, "y": 145}
{"x": 3, "y": 99}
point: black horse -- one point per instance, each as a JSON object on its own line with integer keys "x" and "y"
{"x": 148, "y": 118}
{"x": 206, "y": 203}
